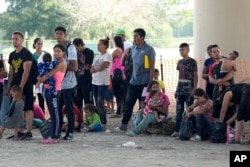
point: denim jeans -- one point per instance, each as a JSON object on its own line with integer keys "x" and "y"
{"x": 99, "y": 92}
{"x": 142, "y": 123}
{"x": 134, "y": 93}
{"x": 55, "y": 115}
{"x": 67, "y": 99}
{"x": 180, "y": 102}
{"x": 203, "y": 126}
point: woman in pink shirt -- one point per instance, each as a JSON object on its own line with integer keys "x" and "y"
{"x": 144, "y": 118}
{"x": 52, "y": 99}
{"x": 118, "y": 83}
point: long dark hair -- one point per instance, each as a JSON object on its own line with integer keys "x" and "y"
{"x": 118, "y": 42}
{"x": 151, "y": 84}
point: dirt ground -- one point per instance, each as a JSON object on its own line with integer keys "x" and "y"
{"x": 105, "y": 149}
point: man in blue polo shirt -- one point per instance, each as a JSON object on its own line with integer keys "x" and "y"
{"x": 143, "y": 56}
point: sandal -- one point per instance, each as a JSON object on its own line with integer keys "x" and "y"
{"x": 50, "y": 141}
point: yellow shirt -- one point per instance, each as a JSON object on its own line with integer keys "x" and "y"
{"x": 161, "y": 83}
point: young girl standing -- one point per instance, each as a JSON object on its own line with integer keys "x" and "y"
{"x": 202, "y": 109}
{"x": 52, "y": 99}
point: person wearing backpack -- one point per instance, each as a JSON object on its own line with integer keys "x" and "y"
{"x": 20, "y": 73}
{"x": 68, "y": 86}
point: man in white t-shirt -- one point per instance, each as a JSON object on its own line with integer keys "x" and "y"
{"x": 120, "y": 32}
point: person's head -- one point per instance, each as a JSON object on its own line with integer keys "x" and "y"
{"x": 103, "y": 45}
{"x": 38, "y": 44}
{"x": 89, "y": 109}
{"x": 209, "y": 50}
{"x": 17, "y": 39}
{"x": 47, "y": 57}
{"x": 233, "y": 55}
{"x": 184, "y": 49}
{"x": 156, "y": 74}
{"x": 120, "y": 32}
{"x": 60, "y": 34}
{"x": 215, "y": 52}
{"x": 154, "y": 85}
{"x": 200, "y": 95}
{"x": 16, "y": 92}
{"x": 139, "y": 36}
{"x": 59, "y": 51}
{"x": 153, "y": 94}
{"x": 79, "y": 44}
{"x": 118, "y": 42}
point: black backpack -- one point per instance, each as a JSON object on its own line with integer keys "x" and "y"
{"x": 219, "y": 133}
{"x": 117, "y": 75}
{"x": 128, "y": 64}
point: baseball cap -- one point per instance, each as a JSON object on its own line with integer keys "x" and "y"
{"x": 119, "y": 31}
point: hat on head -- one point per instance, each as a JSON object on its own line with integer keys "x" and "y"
{"x": 119, "y": 31}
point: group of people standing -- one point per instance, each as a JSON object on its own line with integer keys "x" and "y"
{"x": 75, "y": 75}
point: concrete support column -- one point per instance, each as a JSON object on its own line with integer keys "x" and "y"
{"x": 222, "y": 22}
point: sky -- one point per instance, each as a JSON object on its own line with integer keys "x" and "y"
{"x": 3, "y": 6}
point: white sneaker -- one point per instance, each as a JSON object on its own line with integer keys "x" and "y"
{"x": 118, "y": 130}
{"x": 195, "y": 138}
{"x": 175, "y": 134}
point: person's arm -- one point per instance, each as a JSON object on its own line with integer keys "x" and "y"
{"x": 234, "y": 117}
{"x": 72, "y": 57}
{"x": 124, "y": 55}
{"x": 115, "y": 53}
{"x": 190, "y": 108}
{"x": 206, "y": 108}
{"x": 89, "y": 60}
{"x": 103, "y": 66}
{"x": 226, "y": 101}
{"x": 205, "y": 72}
{"x": 26, "y": 73}
{"x": 151, "y": 64}
{"x": 195, "y": 82}
{"x": 10, "y": 78}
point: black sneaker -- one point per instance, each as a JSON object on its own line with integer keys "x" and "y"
{"x": 20, "y": 135}
{"x": 68, "y": 137}
{"x": 27, "y": 136}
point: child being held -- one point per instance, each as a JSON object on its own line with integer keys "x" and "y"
{"x": 92, "y": 119}
{"x": 227, "y": 65}
{"x": 14, "y": 117}
{"x": 153, "y": 102}
{"x": 46, "y": 67}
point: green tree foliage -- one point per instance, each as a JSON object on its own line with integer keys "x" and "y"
{"x": 34, "y": 16}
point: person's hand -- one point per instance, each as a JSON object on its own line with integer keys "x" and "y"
{"x": 188, "y": 114}
{"x": 6, "y": 92}
{"x": 219, "y": 81}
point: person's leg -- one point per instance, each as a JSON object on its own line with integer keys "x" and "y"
{"x": 189, "y": 101}
{"x": 79, "y": 96}
{"x": 149, "y": 119}
{"x": 15, "y": 133}
{"x": 239, "y": 130}
{"x": 41, "y": 101}
{"x": 87, "y": 92}
{"x": 68, "y": 97}
{"x": 134, "y": 92}
{"x": 96, "y": 128}
{"x": 203, "y": 126}
{"x": 118, "y": 95}
{"x": 179, "y": 111}
{"x": 95, "y": 92}
{"x": 102, "y": 90}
